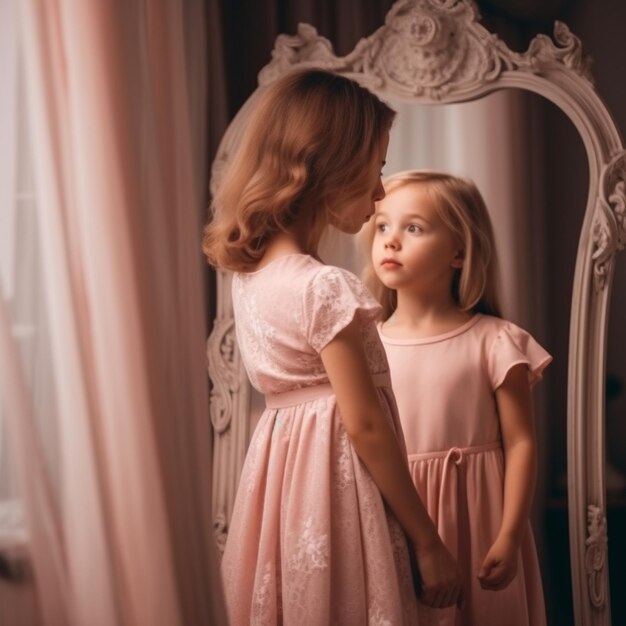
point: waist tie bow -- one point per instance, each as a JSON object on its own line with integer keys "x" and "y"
{"x": 449, "y": 498}
{"x": 452, "y": 491}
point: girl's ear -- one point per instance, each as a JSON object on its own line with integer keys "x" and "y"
{"x": 458, "y": 259}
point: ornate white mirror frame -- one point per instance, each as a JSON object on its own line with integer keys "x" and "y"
{"x": 435, "y": 51}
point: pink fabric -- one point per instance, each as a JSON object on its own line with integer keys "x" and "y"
{"x": 118, "y": 217}
{"x": 444, "y": 387}
{"x": 311, "y": 541}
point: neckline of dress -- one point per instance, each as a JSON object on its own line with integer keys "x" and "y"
{"x": 273, "y": 261}
{"x": 434, "y": 338}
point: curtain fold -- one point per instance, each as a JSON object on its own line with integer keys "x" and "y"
{"x": 117, "y": 106}
{"x": 44, "y": 537}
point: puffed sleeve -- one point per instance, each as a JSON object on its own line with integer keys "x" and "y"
{"x": 334, "y": 297}
{"x": 511, "y": 346}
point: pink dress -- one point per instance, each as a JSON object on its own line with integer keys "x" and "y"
{"x": 444, "y": 387}
{"x": 311, "y": 541}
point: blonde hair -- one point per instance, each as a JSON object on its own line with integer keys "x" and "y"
{"x": 308, "y": 146}
{"x": 462, "y": 209}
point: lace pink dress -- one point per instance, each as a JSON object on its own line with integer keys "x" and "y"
{"x": 444, "y": 387}
{"x": 311, "y": 541}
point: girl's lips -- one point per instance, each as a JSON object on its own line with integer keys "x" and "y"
{"x": 390, "y": 263}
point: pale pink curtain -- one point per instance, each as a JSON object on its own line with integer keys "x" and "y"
{"x": 116, "y": 105}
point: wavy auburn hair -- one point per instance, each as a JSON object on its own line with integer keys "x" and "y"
{"x": 462, "y": 209}
{"x": 307, "y": 147}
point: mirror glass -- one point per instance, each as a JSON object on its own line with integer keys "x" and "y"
{"x": 529, "y": 162}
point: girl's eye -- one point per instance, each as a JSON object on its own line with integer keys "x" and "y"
{"x": 414, "y": 228}
{"x": 381, "y": 227}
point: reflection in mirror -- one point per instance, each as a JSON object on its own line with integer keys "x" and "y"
{"x": 501, "y": 142}
{"x": 489, "y": 141}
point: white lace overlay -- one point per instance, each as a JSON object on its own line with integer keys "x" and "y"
{"x": 310, "y": 551}
{"x": 376, "y": 617}
{"x": 262, "y": 601}
{"x": 343, "y": 474}
{"x": 254, "y": 332}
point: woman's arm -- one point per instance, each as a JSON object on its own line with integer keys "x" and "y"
{"x": 375, "y": 442}
{"x": 514, "y": 404}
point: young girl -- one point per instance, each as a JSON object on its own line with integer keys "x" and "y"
{"x": 325, "y": 493}
{"x": 462, "y": 378}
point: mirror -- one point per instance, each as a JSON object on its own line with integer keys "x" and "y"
{"x": 510, "y": 166}
{"x": 433, "y": 52}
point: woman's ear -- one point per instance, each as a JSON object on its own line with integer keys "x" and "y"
{"x": 458, "y": 259}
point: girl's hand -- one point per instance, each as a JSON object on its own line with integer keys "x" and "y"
{"x": 440, "y": 576}
{"x": 500, "y": 565}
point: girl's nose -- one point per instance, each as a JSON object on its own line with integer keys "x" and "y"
{"x": 392, "y": 242}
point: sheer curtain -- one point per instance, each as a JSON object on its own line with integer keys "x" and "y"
{"x": 102, "y": 321}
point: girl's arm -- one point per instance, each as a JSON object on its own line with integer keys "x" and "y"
{"x": 375, "y": 442}
{"x": 520, "y": 469}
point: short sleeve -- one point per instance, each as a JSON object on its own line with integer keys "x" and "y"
{"x": 333, "y": 298}
{"x": 512, "y": 346}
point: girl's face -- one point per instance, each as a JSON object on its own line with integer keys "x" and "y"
{"x": 355, "y": 213}
{"x": 412, "y": 248}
